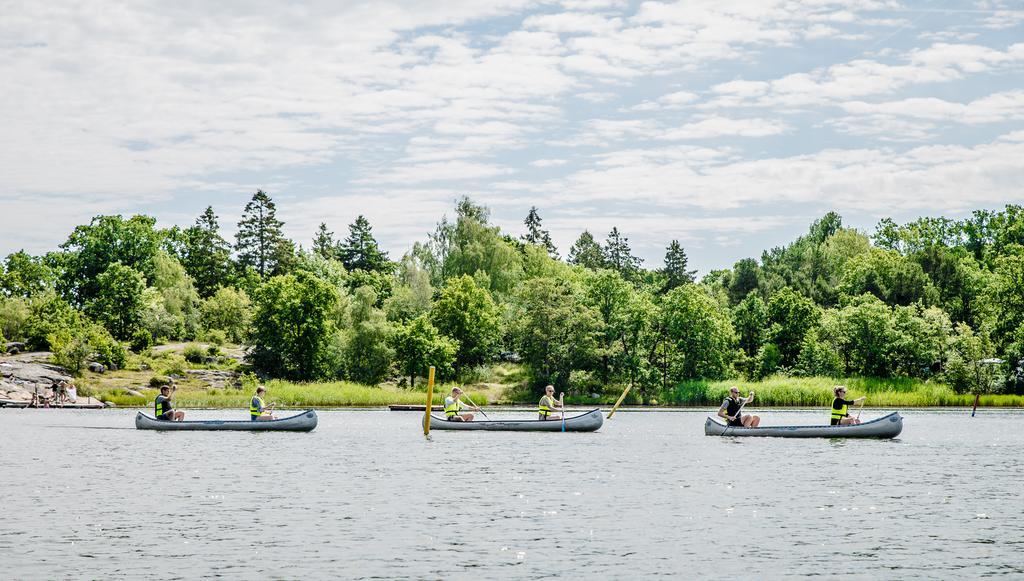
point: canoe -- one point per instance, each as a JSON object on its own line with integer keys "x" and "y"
{"x": 888, "y": 426}
{"x": 588, "y": 422}
{"x": 303, "y": 422}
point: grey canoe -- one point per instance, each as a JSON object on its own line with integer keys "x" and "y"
{"x": 303, "y": 422}
{"x": 888, "y": 426}
{"x": 588, "y": 422}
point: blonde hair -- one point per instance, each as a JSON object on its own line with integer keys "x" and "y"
{"x": 835, "y": 390}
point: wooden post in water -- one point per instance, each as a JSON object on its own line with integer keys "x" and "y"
{"x": 618, "y": 403}
{"x": 430, "y": 402}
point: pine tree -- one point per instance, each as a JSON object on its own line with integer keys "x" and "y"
{"x": 361, "y": 251}
{"x": 260, "y": 242}
{"x": 619, "y": 256}
{"x": 324, "y": 243}
{"x": 537, "y": 235}
{"x": 206, "y": 256}
{"x": 586, "y": 252}
{"x": 675, "y": 267}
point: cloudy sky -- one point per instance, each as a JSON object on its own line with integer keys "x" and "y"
{"x": 726, "y": 125}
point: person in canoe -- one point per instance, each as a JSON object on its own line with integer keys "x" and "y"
{"x": 162, "y": 408}
{"x": 453, "y": 407}
{"x": 258, "y": 408}
{"x": 548, "y": 406}
{"x": 841, "y": 407}
{"x": 731, "y": 406}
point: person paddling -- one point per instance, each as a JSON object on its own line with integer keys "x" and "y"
{"x": 162, "y": 408}
{"x": 730, "y": 410}
{"x": 841, "y": 407}
{"x": 258, "y": 408}
{"x": 548, "y": 406}
{"x": 453, "y": 406}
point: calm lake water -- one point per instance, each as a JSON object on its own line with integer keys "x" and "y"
{"x": 364, "y": 496}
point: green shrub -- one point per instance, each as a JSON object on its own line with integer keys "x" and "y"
{"x": 175, "y": 366}
{"x": 194, "y": 353}
{"x": 159, "y": 381}
{"x": 141, "y": 340}
{"x": 215, "y": 337}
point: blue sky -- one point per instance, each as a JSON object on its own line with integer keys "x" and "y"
{"x": 729, "y": 126}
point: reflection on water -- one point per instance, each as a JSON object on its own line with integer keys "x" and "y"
{"x": 365, "y": 496}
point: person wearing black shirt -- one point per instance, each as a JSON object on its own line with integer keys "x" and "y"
{"x": 730, "y": 410}
{"x": 841, "y": 407}
{"x": 162, "y": 408}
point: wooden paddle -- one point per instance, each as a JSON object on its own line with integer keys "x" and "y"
{"x": 476, "y": 407}
{"x": 737, "y": 415}
{"x": 561, "y": 404}
{"x": 860, "y": 409}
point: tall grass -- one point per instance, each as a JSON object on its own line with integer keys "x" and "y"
{"x": 817, "y": 392}
{"x": 289, "y": 394}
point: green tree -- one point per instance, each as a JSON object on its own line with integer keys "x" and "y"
{"x": 465, "y": 312}
{"x": 962, "y": 370}
{"x": 412, "y": 294}
{"x": 676, "y": 267}
{"x": 619, "y": 256}
{"x": 586, "y": 252}
{"x": 817, "y": 358}
{"x": 537, "y": 235}
{"x": 260, "y": 242}
{"x": 14, "y": 315}
{"x": 608, "y": 294}
{"x": 556, "y": 332}
{"x": 48, "y": 314}
{"x": 118, "y": 304}
{"x": 699, "y": 335}
{"x": 890, "y": 277}
{"x": 1005, "y": 299}
{"x": 324, "y": 244}
{"x": 419, "y": 345}
{"x": 90, "y": 251}
{"x": 228, "y": 310}
{"x": 23, "y": 275}
{"x": 750, "y": 319}
{"x": 206, "y": 256}
{"x": 471, "y": 246}
{"x": 172, "y": 303}
{"x": 360, "y": 250}
{"x": 293, "y": 328}
{"x": 790, "y": 317}
{"x": 368, "y": 351}
{"x": 745, "y": 279}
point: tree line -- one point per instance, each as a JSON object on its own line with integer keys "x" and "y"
{"x": 926, "y": 299}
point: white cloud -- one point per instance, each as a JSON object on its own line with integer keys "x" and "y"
{"x": 548, "y": 162}
{"x": 723, "y": 126}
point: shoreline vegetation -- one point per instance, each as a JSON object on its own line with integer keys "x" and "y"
{"x": 925, "y": 313}
{"x": 506, "y": 385}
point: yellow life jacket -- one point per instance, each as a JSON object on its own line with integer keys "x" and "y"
{"x": 838, "y": 414}
{"x": 451, "y": 410}
{"x": 545, "y": 407}
{"x": 160, "y": 407}
{"x": 256, "y": 407}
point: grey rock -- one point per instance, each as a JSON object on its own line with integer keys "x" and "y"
{"x": 97, "y": 367}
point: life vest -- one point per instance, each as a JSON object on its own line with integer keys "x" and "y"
{"x": 838, "y": 414}
{"x": 452, "y": 409}
{"x": 545, "y": 406}
{"x": 256, "y": 406}
{"x": 161, "y": 406}
{"x": 733, "y": 408}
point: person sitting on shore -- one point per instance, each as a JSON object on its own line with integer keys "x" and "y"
{"x": 258, "y": 408}
{"x": 548, "y": 406}
{"x": 453, "y": 406}
{"x": 163, "y": 409}
{"x": 841, "y": 407}
{"x": 731, "y": 406}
